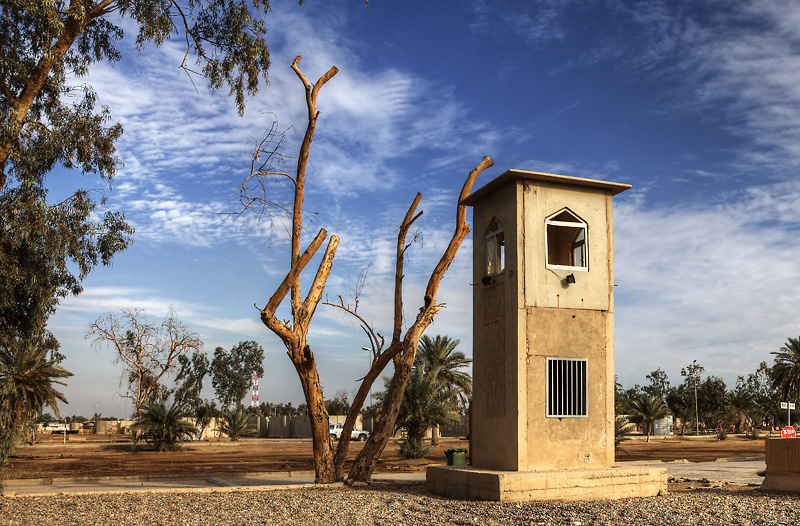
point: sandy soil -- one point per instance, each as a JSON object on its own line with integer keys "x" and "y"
{"x": 89, "y": 456}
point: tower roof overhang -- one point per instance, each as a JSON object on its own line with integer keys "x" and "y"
{"x": 513, "y": 175}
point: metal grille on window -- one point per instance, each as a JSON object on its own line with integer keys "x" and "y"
{"x": 567, "y": 387}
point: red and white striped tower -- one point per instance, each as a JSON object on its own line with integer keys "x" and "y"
{"x": 254, "y": 399}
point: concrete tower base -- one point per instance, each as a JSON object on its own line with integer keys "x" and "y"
{"x": 466, "y": 482}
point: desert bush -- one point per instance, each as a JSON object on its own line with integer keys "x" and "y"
{"x": 413, "y": 449}
{"x": 163, "y": 427}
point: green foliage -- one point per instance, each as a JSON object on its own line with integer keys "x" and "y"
{"x": 47, "y": 249}
{"x": 203, "y": 414}
{"x": 45, "y": 418}
{"x": 439, "y": 358}
{"x": 425, "y": 404}
{"x": 647, "y": 409}
{"x": 712, "y": 404}
{"x": 413, "y": 449}
{"x": 236, "y": 423}
{"x": 27, "y": 375}
{"x": 146, "y": 351}
{"x": 621, "y": 429}
{"x": 786, "y": 370}
{"x": 164, "y": 428}
{"x": 232, "y": 372}
{"x": 339, "y": 405}
{"x": 45, "y": 253}
{"x": 43, "y": 43}
{"x": 659, "y": 384}
{"x": 764, "y": 397}
{"x": 189, "y": 380}
{"x": 28, "y": 370}
{"x": 280, "y": 409}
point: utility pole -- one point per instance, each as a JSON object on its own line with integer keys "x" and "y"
{"x": 693, "y": 371}
{"x": 696, "y": 412}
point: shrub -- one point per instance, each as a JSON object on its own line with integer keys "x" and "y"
{"x": 413, "y": 449}
{"x": 236, "y": 423}
{"x": 163, "y": 427}
{"x": 621, "y": 428}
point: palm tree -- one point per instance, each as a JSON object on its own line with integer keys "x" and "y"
{"x": 425, "y": 404}
{"x": 741, "y": 405}
{"x": 786, "y": 370}
{"x": 621, "y": 428}
{"x": 164, "y": 428}
{"x": 27, "y": 375}
{"x": 647, "y": 409}
{"x": 236, "y": 422}
{"x": 439, "y": 358}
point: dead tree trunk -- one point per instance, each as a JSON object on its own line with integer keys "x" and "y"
{"x": 403, "y": 351}
{"x": 294, "y": 333}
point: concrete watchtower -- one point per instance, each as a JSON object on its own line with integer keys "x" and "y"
{"x": 543, "y": 328}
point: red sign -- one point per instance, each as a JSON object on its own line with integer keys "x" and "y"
{"x": 788, "y": 432}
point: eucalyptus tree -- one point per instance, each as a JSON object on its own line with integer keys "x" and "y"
{"x": 49, "y": 117}
{"x": 232, "y": 371}
{"x": 46, "y": 44}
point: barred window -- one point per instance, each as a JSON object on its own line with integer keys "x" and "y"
{"x": 567, "y": 382}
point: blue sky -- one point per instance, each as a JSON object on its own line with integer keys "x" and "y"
{"x": 695, "y": 104}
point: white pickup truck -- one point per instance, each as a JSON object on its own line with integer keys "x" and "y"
{"x": 356, "y": 434}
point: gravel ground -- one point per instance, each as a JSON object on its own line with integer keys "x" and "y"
{"x": 393, "y": 505}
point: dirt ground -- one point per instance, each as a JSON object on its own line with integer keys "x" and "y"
{"x": 93, "y": 456}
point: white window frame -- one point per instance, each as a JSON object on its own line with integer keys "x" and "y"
{"x": 560, "y": 399}
{"x": 578, "y": 223}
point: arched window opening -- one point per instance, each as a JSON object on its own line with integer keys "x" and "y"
{"x": 495, "y": 248}
{"x": 565, "y": 233}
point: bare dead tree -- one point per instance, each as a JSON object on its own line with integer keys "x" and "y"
{"x": 402, "y": 348}
{"x": 294, "y": 333}
{"x": 329, "y": 467}
{"x": 146, "y": 351}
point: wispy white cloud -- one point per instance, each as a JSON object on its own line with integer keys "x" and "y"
{"x": 714, "y": 283}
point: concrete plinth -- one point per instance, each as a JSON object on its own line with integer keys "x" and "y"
{"x": 466, "y": 482}
{"x": 783, "y": 465}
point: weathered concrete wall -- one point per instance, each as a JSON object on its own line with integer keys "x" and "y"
{"x": 554, "y": 443}
{"x": 783, "y": 465}
{"x": 460, "y": 429}
{"x": 496, "y": 327}
{"x": 289, "y": 427}
{"x": 544, "y": 287}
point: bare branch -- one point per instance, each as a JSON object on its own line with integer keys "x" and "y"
{"x": 148, "y": 352}
{"x": 318, "y": 285}
{"x": 408, "y": 220}
{"x": 461, "y": 231}
{"x": 293, "y": 275}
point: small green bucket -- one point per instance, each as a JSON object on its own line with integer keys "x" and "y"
{"x": 456, "y": 457}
